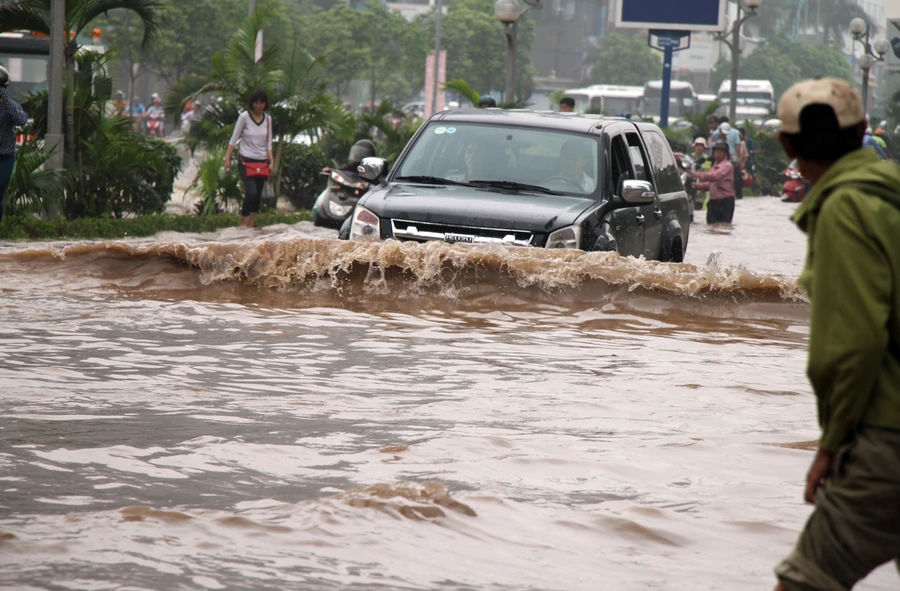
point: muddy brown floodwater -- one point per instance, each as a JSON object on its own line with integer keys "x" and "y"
{"x": 275, "y": 409}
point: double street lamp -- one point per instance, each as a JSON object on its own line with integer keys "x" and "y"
{"x": 860, "y": 31}
{"x": 748, "y": 8}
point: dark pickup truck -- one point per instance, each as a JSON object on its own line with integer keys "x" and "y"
{"x": 527, "y": 178}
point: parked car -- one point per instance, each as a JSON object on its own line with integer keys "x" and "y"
{"x": 526, "y": 178}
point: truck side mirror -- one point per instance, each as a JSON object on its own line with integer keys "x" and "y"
{"x": 372, "y": 168}
{"x": 635, "y": 192}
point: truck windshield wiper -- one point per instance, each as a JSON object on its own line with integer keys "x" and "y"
{"x": 515, "y": 185}
{"x": 429, "y": 180}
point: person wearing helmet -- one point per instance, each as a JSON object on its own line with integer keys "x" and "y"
{"x": 358, "y": 151}
{"x": 487, "y": 102}
{"x": 11, "y": 116}
{"x": 869, "y": 142}
{"x": 719, "y": 181}
{"x": 882, "y": 141}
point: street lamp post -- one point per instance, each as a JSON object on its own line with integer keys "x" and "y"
{"x": 508, "y": 13}
{"x": 860, "y": 31}
{"x": 749, "y": 8}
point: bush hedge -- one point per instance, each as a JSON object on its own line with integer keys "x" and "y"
{"x": 301, "y": 181}
{"x": 29, "y": 227}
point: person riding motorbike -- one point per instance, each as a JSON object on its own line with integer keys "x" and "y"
{"x": 345, "y": 187}
{"x": 155, "y": 116}
{"x": 358, "y": 151}
{"x": 487, "y": 102}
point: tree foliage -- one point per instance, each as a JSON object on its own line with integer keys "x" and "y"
{"x": 625, "y": 59}
{"x": 476, "y": 46}
{"x": 785, "y": 62}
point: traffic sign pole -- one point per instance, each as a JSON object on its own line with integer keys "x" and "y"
{"x": 668, "y": 42}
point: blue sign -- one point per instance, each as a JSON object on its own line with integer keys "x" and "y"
{"x": 672, "y": 15}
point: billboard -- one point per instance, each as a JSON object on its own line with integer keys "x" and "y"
{"x": 672, "y": 15}
{"x": 892, "y": 33}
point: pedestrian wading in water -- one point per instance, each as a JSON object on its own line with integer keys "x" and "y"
{"x": 253, "y": 137}
{"x": 11, "y": 117}
{"x": 719, "y": 181}
{"x": 852, "y": 273}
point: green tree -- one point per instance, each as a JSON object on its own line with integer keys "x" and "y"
{"x": 370, "y": 43}
{"x": 476, "y": 47}
{"x": 784, "y": 62}
{"x": 625, "y": 59}
{"x": 292, "y": 80}
{"x": 34, "y": 15}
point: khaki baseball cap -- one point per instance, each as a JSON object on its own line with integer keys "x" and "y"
{"x": 834, "y": 92}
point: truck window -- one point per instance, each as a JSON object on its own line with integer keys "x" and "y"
{"x": 619, "y": 166}
{"x": 638, "y": 162}
{"x": 665, "y": 169}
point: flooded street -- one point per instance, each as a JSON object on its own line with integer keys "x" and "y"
{"x": 274, "y": 409}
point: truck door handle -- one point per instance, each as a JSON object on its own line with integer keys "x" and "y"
{"x": 658, "y": 213}
{"x": 640, "y": 219}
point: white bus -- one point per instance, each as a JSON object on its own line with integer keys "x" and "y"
{"x": 755, "y": 99}
{"x": 26, "y": 56}
{"x": 606, "y": 99}
{"x": 682, "y": 99}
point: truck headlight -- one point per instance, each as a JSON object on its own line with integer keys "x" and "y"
{"x": 365, "y": 224}
{"x": 338, "y": 210}
{"x": 568, "y": 237}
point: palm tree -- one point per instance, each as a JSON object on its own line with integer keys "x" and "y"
{"x": 834, "y": 17}
{"x": 34, "y": 15}
{"x": 298, "y": 101}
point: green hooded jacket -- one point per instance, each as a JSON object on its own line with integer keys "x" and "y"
{"x": 852, "y": 276}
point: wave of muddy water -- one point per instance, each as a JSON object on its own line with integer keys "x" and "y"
{"x": 275, "y": 409}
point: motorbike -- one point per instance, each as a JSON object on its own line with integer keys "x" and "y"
{"x": 155, "y": 125}
{"x": 336, "y": 202}
{"x": 794, "y": 188}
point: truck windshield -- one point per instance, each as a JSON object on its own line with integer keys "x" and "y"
{"x": 464, "y": 153}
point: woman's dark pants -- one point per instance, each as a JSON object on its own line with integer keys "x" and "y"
{"x": 253, "y": 189}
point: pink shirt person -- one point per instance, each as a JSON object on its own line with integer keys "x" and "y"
{"x": 719, "y": 181}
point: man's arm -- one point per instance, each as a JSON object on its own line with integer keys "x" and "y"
{"x": 851, "y": 304}
{"x": 17, "y": 115}
{"x": 717, "y": 174}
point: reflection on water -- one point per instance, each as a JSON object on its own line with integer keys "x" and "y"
{"x": 275, "y": 410}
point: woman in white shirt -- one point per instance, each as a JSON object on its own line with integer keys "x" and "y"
{"x": 254, "y": 133}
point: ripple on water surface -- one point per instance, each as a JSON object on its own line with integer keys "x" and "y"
{"x": 279, "y": 410}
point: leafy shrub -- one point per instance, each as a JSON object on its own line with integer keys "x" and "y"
{"x": 218, "y": 189}
{"x": 301, "y": 178}
{"x": 110, "y": 169}
{"x": 120, "y": 172}
{"x": 32, "y": 188}
{"x": 16, "y": 227}
{"x": 770, "y": 160}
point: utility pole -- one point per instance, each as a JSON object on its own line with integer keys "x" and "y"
{"x": 439, "y": 11}
{"x": 53, "y": 141}
{"x": 735, "y": 62}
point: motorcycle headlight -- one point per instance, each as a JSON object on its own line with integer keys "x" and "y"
{"x": 568, "y": 237}
{"x": 365, "y": 224}
{"x": 338, "y": 210}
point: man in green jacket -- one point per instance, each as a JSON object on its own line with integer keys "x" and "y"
{"x": 852, "y": 276}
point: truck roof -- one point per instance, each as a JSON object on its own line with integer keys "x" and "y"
{"x": 527, "y": 118}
